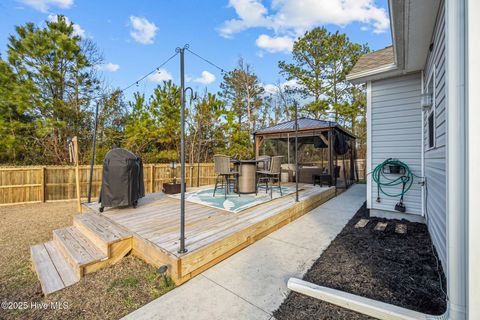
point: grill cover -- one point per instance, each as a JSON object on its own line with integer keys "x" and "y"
{"x": 122, "y": 179}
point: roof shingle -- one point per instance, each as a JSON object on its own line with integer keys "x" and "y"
{"x": 374, "y": 60}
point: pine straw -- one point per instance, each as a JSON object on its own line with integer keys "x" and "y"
{"x": 107, "y": 294}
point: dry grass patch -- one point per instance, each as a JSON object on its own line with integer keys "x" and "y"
{"x": 107, "y": 294}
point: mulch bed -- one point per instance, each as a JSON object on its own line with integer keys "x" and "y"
{"x": 400, "y": 269}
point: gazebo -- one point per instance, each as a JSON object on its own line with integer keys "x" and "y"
{"x": 326, "y": 150}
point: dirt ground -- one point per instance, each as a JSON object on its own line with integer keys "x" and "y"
{"x": 381, "y": 265}
{"x": 107, "y": 294}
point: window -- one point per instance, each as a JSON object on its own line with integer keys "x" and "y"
{"x": 431, "y": 112}
{"x": 431, "y": 130}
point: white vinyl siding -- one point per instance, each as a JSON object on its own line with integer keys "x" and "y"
{"x": 435, "y": 158}
{"x": 396, "y": 128}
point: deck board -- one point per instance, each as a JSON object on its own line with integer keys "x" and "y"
{"x": 211, "y": 234}
{"x": 159, "y": 223}
{"x": 49, "y": 278}
{"x": 65, "y": 272}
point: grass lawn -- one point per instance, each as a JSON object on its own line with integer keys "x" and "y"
{"x": 107, "y": 294}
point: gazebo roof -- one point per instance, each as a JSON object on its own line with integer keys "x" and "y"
{"x": 304, "y": 124}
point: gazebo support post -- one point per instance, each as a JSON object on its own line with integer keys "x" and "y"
{"x": 330, "y": 155}
{"x": 352, "y": 161}
{"x": 258, "y": 144}
{"x": 288, "y": 148}
{"x": 296, "y": 151}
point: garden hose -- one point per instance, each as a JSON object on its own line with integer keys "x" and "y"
{"x": 382, "y": 180}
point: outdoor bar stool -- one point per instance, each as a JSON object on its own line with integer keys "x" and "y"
{"x": 269, "y": 176}
{"x": 224, "y": 173}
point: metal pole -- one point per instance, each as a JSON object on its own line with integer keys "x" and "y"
{"x": 182, "y": 152}
{"x": 92, "y": 161}
{"x": 296, "y": 151}
{"x": 199, "y": 149}
{"x": 288, "y": 148}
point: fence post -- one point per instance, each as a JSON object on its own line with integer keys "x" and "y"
{"x": 77, "y": 174}
{"x": 43, "y": 182}
{"x": 152, "y": 168}
{"x": 191, "y": 176}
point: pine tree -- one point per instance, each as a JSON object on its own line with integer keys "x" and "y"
{"x": 60, "y": 66}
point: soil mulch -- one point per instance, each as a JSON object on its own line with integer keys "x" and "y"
{"x": 400, "y": 269}
{"x": 109, "y": 293}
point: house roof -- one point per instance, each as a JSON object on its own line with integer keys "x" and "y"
{"x": 373, "y": 61}
{"x": 303, "y": 124}
{"x": 412, "y": 24}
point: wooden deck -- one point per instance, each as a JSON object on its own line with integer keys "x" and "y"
{"x": 152, "y": 230}
{"x": 211, "y": 234}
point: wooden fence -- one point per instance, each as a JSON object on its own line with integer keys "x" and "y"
{"x": 55, "y": 183}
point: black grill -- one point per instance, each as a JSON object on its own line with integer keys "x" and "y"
{"x": 122, "y": 179}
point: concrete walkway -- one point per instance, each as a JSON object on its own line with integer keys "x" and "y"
{"x": 253, "y": 283}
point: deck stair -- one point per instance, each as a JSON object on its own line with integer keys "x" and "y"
{"x": 93, "y": 242}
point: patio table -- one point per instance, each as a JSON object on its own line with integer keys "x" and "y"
{"x": 247, "y": 169}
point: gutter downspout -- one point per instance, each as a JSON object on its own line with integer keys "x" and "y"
{"x": 456, "y": 163}
{"x": 422, "y": 158}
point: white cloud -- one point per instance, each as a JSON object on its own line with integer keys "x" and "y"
{"x": 77, "y": 30}
{"x": 296, "y": 16}
{"x": 206, "y": 78}
{"x": 143, "y": 31}
{"x": 270, "y": 88}
{"x": 160, "y": 76}
{"x": 251, "y": 13}
{"x": 274, "y": 88}
{"x": 44, "y": 5}
{"x": 108, "y": 67}
{"x": 275, "y": 44}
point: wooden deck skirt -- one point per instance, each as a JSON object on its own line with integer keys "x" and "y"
{"x": 211, "y": 234}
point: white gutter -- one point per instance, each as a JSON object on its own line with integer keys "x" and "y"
{"x": 382, "y": 69}
{"x": 359, "y": 304}
{"x": 473, "y": 152}
{"x": 368, "y": 176}
{"x": 456, "y": 159}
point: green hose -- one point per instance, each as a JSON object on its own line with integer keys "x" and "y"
{"x": 406, "y": 178}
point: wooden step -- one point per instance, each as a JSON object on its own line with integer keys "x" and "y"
{"x": 78, "y": 250}
{"x": 101, "y": 231}
{"x": 52, "y": 269}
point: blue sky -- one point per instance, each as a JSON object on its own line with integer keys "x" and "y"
{"x": 136, "y": 36}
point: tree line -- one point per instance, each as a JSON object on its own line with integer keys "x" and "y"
{"x": 50, "y": 86}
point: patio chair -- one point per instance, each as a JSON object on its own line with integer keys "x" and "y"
{"x": 269, "y": 176}
{"x": 263, "y": 162}
{"x": 224, "y": 173}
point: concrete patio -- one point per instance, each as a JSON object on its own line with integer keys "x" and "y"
{"x": 252, "y": 283}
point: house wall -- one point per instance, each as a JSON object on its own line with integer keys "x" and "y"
{"x": 435, "y": 158}
{"x": 395, "y": 128}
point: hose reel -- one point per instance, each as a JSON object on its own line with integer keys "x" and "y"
{"x": 382, "y": 177}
